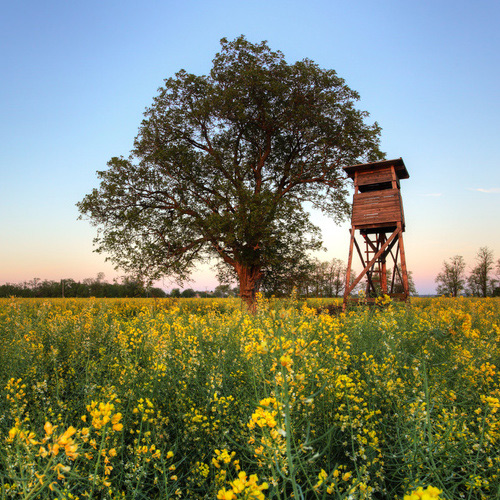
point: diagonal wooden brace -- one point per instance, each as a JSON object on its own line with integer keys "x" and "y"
{"x": 363, "y": 262}
{"x": 386, "y": 247}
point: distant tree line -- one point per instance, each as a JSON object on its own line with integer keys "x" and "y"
{"x": 89, "y": 287}
{"x": 314, "y": 278}
{"x": 98, "y": 287}
{"x": 483, "y": 279}
{"x": 309, "y": 277}
{"x": 221, "y": 291}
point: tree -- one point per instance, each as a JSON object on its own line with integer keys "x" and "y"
{"x": 496, "y": 287}
{"x": 398, "y": 283}
{"x": 480, "y": 280}
{"x": 223, "y": 291}
{"x": 289, "y": 274}
{"x": 309, "y": 277}
{"x": 451, "y": 280}
{"x": 337, "y": 274}
{"x": 157, "y": 292}
{"x": 223, "y": 164}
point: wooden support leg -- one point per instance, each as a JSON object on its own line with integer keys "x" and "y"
{"x": 394, "y": 269}
{"x": 383, "y": 279}
{"x": 406, "y": 285}
{"x": 348, "y": 273}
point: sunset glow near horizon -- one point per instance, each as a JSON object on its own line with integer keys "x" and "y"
{"x": 78, "y": 76}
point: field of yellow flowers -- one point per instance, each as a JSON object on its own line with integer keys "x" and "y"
{"x": 196, "y": 399}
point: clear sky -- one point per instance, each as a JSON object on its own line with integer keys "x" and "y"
{"x": 77, "y": 76}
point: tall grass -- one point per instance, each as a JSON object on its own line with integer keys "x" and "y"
{"x": 196, "y": 399}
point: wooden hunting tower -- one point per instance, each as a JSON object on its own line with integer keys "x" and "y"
{"x": 377, "y": 214}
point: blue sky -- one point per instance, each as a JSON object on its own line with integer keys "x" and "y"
{"x": 77, "y": 76}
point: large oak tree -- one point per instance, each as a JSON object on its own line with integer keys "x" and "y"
{"x": 223, "y": 165}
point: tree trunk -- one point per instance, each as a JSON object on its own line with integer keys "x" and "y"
{"x": 249, "y": 277}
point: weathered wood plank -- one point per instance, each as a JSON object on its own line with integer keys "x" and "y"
{"x": 378, "y": 207}
{"x": 374, "y": 176}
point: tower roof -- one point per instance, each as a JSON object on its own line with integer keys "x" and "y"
{"x": 398, "y": 164}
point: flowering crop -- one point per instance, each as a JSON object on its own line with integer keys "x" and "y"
{"x": 196, "y": 399}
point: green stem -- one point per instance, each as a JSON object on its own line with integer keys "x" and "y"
{"x": 478, "y": 451}
{"x": 96, "y": 468}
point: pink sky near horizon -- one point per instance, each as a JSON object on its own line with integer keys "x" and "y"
{"x": 77, "y": 261}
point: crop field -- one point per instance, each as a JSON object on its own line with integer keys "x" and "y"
{"x": 197, "y": 399}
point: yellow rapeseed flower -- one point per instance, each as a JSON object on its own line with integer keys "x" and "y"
{"x": 430, "y": 493}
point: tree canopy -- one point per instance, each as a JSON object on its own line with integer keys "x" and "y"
{"x": 451, "y": 280}
{"x": 224, "y": 163}
{"x": 481, "y": 281}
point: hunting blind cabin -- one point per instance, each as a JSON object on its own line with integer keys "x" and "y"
{"x": 377, "y": 214}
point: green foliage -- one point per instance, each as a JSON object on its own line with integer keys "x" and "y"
{"x": 223, "y": 164}
{"x": 369, "y": 404}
